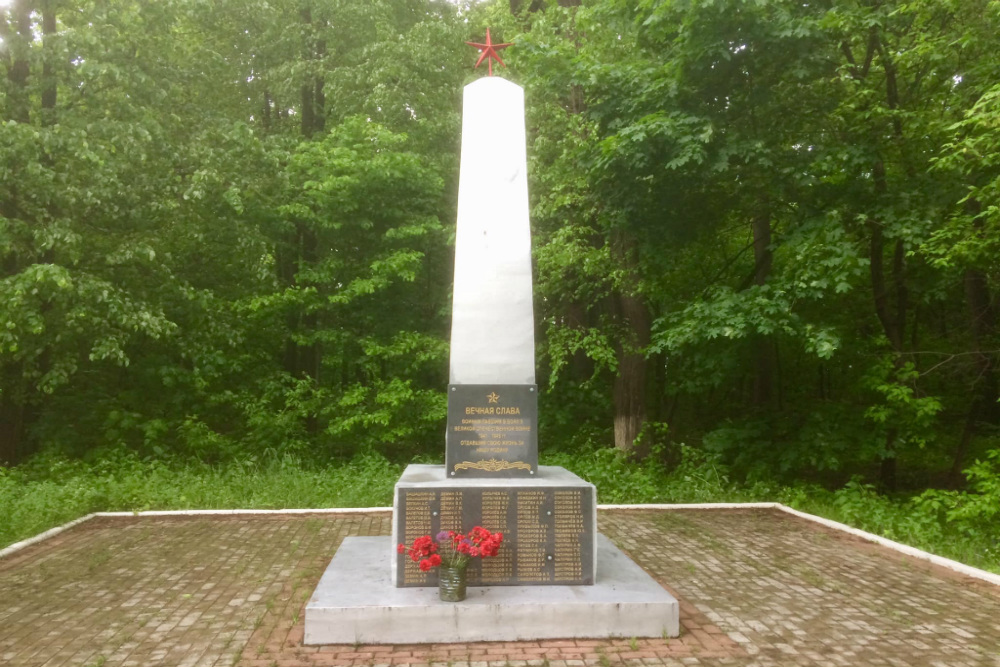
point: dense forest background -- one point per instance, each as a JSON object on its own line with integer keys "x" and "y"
{"x": 765, "y": 233}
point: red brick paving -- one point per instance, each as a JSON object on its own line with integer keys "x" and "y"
{"x": 755, "y": 587}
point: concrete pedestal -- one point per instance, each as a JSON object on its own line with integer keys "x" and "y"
{"x": 358, "y": 601}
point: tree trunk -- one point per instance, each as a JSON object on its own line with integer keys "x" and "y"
{"x": 902, "y": 293}
{"x": 310, "y": 356}
{"x": 763, "y": 346}
{"x": 893, "y": 320}
{"x": 308, "y": 122}
{"x": 313, "y": 97}
{"x": 581, "y": 366}
{"x": 48, "y": 71}
{"x": 880, "y": 293}
{"x": 266, "y": 111}
{"x": 983, "y": 402}
{"x": 12, "y": 424}
{"x": 968, "y": 432}
{"x": 319, "y": 97}
{"x": 887, "y": 467}
{"x": 18, "y": 42}
{"x": 536, "y": 5}
{"x": 630, "y": 385}
{"x": 629, "y": 400}
{"x": 286, "y": 269}
{"x": 308, "y": 90}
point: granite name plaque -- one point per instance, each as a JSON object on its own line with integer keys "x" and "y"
{"x": 548, "y": 525}
{"x": 492, "y": 430}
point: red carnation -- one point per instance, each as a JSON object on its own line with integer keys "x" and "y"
{"x": 477, "y": 543}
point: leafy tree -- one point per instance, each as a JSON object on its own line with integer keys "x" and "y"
{"x": 777, "y": 170}
{"x": 767, "y": 229}
{"x": 159, "y": 206}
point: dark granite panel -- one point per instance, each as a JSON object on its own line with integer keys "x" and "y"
{"x": 492, "y": 430}
{"x": 549, "y": 532}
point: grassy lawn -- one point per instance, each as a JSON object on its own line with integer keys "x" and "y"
{"x": 51, "y": 490}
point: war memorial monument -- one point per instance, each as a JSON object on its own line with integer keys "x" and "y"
{"x": 554, "y": 576}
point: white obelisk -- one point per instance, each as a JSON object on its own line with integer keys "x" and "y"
{"x": 492, "y": 330}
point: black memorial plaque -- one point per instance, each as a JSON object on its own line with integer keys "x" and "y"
{"x": 549, "y": 532}
{"x": 492, "y": 430}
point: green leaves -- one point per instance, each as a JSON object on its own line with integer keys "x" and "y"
{"x": 743, "y": 194}
{"x": 726, "y": 314}
{"x": 369, "y": 206}
{"x": 51, "y": 313}
{"x": 822, "y": 259}
{"x": 901, "y": 407}
{"x": 800, "y": 185}
{"x": 172, "y": 230}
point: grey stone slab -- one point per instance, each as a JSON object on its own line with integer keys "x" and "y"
{"x": 492, "y": 430}
{"x": 549, "y": 524}
{"x": 357, "y": 601}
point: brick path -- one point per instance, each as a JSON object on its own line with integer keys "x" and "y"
{"x": 756, "y": 588}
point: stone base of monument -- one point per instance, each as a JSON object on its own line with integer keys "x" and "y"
{"x": 358, "y": 602}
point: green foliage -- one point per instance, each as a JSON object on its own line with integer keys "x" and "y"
{"x": 225, "y": 254}
{"x": 973, "y": 513}
{"x": 50, "y": 490}
{"x": 52, "y": 312}
{"x": 698, "y": 477}
{"x": 186, "y": 264}
{"x": 900, "y": 407}
{"x": 804, "y": 189}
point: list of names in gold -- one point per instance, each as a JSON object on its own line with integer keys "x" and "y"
{"x": 532, "y": 537}
{"x": 451, "y": 511}
{"x": 501, "y": 567}
{"x": 568, "y": 528}
{"x": 416, "y": 522}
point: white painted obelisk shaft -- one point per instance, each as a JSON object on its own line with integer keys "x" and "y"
{"x": 493, "y": 329}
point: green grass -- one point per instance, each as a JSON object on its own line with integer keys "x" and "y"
{"x": 50, "y": 490}
{"x": 958, "y": 525}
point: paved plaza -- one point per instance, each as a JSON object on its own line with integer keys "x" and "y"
{"x": 756, "y": 587}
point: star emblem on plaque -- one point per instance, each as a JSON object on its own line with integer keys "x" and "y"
{"x": 492, "y": 397}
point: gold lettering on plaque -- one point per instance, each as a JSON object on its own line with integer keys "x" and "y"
{"x": 493, "y": 435}
{"x": 500, "y": 568}
{"x": 450, "y": 515}
{"x": 532, "y": 536}
{"x": 416, "y": 522}
{"x": 568, "y": 529}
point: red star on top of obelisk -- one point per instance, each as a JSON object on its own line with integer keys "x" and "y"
{"x": 488, "y": 52}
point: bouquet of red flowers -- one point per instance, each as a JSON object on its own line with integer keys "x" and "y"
{"x": 452, "y": 549}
